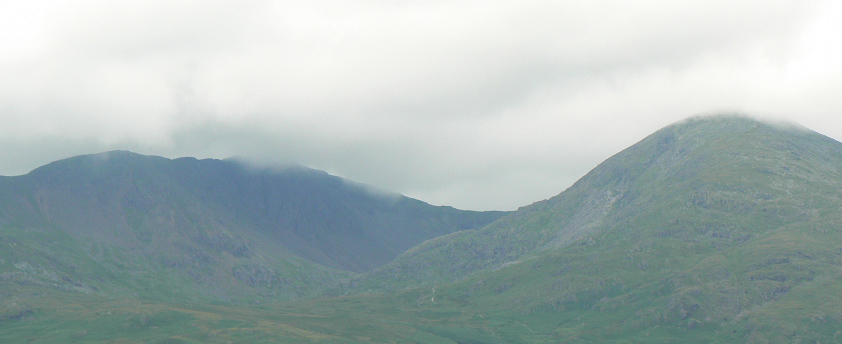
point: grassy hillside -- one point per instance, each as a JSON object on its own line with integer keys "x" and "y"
{"x": 720, "y": 175}
{"x": 717, "y": 229}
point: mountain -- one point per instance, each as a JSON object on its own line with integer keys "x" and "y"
{"x": 702, "y": 168}
{"x": 207, "y": 227}
{"x": 719, "y": 229}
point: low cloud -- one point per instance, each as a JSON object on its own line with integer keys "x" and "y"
{"x": 479, "y": 105}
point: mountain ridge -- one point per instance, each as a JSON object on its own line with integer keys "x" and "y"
{"x": 221, "y": 223}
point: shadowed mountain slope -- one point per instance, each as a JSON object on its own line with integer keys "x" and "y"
{"x": 220, "y": 223}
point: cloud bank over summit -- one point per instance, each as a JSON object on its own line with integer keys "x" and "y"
{"x": 479, "y": 105}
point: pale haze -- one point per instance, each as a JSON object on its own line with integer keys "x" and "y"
{"x": 474, "y": 104}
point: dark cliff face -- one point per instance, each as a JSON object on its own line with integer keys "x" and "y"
{"x": 319, "y": 216}
{"x": 216, "y": 220}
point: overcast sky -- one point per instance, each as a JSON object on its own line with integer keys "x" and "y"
{"x": 475, "y": 104}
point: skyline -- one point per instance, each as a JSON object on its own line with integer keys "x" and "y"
{"x": 477, "y": 105}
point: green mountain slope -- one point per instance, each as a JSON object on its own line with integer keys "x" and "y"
{"x": 189, "y": 228}
{"x": 725, "y": 228}
{"x": 729, "y": 177}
